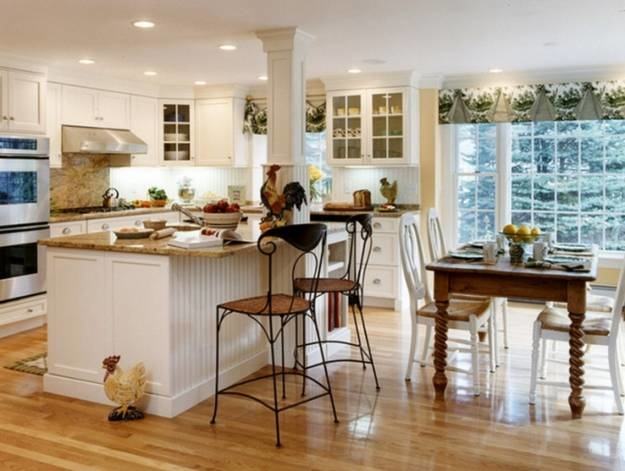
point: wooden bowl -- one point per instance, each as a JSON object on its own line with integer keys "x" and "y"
{"x": 158, "y": 203}
{"x": 156, "y": 224}
{"x": 221, "y": 220}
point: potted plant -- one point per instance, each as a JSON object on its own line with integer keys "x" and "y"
{"x": 158, "y": 196}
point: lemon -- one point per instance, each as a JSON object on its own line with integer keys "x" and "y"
{"x": 509, "y": 229}
{"x": 535, "y": 230}
{"x": 524, "y": 229}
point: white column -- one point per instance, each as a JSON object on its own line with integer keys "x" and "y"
{"x": 286, "y": 95}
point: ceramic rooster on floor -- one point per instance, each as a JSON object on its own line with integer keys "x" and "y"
{"x": 279, "y": 205}
{"x": 123, "y": 388}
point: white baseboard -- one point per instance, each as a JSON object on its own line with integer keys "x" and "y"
{"x": 154, "y": 404}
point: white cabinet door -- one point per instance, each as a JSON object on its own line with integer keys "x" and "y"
{"x": 144, "y": 123}
{"x": 346, "y": 127}
{"x": 27, "y": 102}
{"x": 53, "y": 124}
{"x": 79, "y": 106}
{"x": 113, "y": 110}
{"x": 214, "y": 131}
{"x": 4, "y": 101}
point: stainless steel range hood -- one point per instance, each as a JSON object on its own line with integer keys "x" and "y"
{"x": 84, "y": 140}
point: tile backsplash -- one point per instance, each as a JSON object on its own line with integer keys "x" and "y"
{"x": 347, "y": 180}
{"x": 81, "y": 182}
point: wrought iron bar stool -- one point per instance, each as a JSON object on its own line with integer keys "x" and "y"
{"x": 277, "y": 310}
{"x": 350, "y": 285}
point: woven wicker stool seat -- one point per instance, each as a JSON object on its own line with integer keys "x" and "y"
{"x": 281, "y": 304}
{"x": 325, "y": 285}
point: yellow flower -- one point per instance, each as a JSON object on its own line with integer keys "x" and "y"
{"x": 314, "y": 173}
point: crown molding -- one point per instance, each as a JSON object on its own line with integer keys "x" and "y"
{"x": 405, "y": 78}
{"x": 283, "y": 39}
{"x": 20, "y": 63}
{"x": 221, "y": 91}
{"x": 526, "y": 77}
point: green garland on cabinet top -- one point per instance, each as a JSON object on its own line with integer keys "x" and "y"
{"x": 542, "y": 102}
{"x": 255, "y": 121}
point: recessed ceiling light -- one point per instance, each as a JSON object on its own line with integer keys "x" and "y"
{"x": 263, "y": 77}
{"x": 374, "y": 61}
{"x": 495, "y": 70}
{"x": 87, "y": 61}
{"x": 144, "y": 24}
{"x": 149, "y": 73}
{"x": 354, "y": 71}
{"x": 199, "y": 82}
{"x": 228, "y": 47}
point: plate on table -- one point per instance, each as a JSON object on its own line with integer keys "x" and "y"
{"x": 477, "y": 244}
{"x": 564, "y": 259}
{"x": 573, "y": 248}
{"x": 466, "y": 255}
{"x": 133, "y": 233}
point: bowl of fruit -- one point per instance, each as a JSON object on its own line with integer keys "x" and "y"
{"x": 520, "y": 239}
{"x": 221, "y": 215}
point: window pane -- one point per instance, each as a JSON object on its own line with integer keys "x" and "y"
{"x": 485, "y": 225}
{"x": 568, "y": 152}
{"x": 592, "y": 155}
{"x": 546, "y": 222}
{"x": 521, "y": 193}
{"x": 487, "y": 148}
{"x": 592, "y": 229}
{"x": 615, "y": 194}
{"x": 544, "y": 193}
{"x": 521, "y": 217}
{"x": 567, "y": 228}
{"x": 466, "y": 226}
{"x": 544, "y": 155}
{"x": 615, "y": 233}
{"x": 521, "y": 155}
{"x": 568, "y": 193}
{"x": 591, "y": 195}
{"x": 521, "y": 130}
{"x": 615, "y": 154}
{"x": 567, "y": 128}
{"x": 611, "y": 127}
{"x": 486, "y": 193}
{"x": 467, "y": 149}
{"x": 544, "y": 128}
{"x": 466, "y": 192}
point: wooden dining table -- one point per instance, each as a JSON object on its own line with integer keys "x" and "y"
{"x": 513, "y": 281}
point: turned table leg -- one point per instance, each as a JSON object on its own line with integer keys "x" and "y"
{"x": 577, "y": 313}
{"x": 441, "y": 295}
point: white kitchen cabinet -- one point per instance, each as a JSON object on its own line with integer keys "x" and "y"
{"x": 144, "y": 123}
{"x": 53, "y": 124}
{"x": 89, "y": 107}
{"x": 114, "y": 223}
{"x": 22, "y": 102}
{"x": 176, "y": 132}
{"x": 219, "y": 131}
{"x": 61, "y": 229}
{"x": 377, "y": 127}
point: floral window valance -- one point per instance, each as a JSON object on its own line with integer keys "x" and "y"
{"x": 256, "y": 118}
{"x": 550, "y": 102}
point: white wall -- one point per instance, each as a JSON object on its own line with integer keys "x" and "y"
{"x": 133, "y": 182}
{"x": 346, "y": 180}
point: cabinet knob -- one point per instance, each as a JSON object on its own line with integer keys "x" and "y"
{"x": 5, "y": 118}
{"x": 377, "y": 225}
{"x": 11, "y": 118}
{"x": 377, "y": 249}
{"x": 30, "y": 309}
{"x": 138, "y": 222}
{"x": 105, "y": 227}
{"x": 66, "y": 230}
{"x": 377, "y": 281}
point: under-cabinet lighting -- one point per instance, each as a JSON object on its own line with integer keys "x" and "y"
{"x": 264, "y": 78}
{"x": 495, "y": 70}
{"x": 143, "y": 24}
{"x": 199, "y": 82}
{"x": 354, "y": 71}
{"x": 228, "y": 47}
{"x": 150, "y": 73}
{"x": 86, "y": 61}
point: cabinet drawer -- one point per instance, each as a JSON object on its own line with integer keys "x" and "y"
{"x": 23, "y": 310}
{"x": 381, "y": 282}
{"x": 384, "y": 249}
{"x": 67, "y": 228}
{"x": 386, "y": 225}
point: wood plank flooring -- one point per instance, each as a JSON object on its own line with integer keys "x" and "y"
{"x": 401, "y": 427}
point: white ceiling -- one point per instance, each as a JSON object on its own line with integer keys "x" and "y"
{"x": 438, "y": 37}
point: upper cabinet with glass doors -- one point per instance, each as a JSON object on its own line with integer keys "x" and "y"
{"x": 373, "y": 127}
{"x": 176, "y": 132}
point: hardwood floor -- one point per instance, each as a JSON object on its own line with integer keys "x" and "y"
{"x": 401, "y": 427}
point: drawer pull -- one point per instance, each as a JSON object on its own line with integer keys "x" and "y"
{"x": 138, "y": 222}
{"x": 30, "y": 309}
{"x": 377, "y": 281}
{"x": 67, "y": 230}
{"x": 377, "y": 249}
{"x": 105, "y": 227}
{"x": 377, "y": 225}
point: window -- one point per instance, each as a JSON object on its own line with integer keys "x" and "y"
{"x": 567, "y": 178}
{"x": 476, "y": 176}
{"x": 320, "y": 173}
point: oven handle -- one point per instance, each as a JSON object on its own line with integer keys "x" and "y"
{"x": 28, "y": 236}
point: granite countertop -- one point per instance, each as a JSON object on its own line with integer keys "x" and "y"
{"x": 107, "y": 241}
{"x": 321, "y": 212}
{"x": 68, "y": 217}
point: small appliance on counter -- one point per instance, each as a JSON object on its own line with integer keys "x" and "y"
{"x": 110, "y": 198}
{"x": 362, "y": 200}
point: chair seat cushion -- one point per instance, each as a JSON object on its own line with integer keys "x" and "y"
{"x": 326, "y": 285}
{"x": 558, "y": 319}
{"x": 594, "y": 303}
{"x": 281, "y": 304}
{"x": 460, "y": 309}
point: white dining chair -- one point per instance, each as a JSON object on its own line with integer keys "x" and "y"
{"x": 599, "y": 329}
{"x": 467, "y": 314}
{"x": 438, "y": 249}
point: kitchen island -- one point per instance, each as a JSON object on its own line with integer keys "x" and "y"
{"x": 150, "y": 302}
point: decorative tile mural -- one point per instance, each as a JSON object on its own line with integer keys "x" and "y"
{"x": 543, "y": 102}
{"x": 81, "y": 182}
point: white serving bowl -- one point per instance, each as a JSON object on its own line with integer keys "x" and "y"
{"x": 221, "y": 220}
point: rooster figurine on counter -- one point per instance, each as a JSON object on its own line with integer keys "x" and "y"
{"x": 389, "y": 191}
{"x": 279, "y": 205}
{"x": 123, "y": 388}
